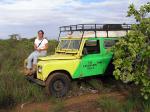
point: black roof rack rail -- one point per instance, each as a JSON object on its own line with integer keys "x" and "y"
{"x": 95, "y": 27}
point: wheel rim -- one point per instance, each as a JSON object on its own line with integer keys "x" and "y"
{"x": 58, "y": 85}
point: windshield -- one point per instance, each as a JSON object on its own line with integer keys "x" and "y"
{"x": 69, "y": 44}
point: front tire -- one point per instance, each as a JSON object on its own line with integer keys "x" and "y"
{"x": 58, "y": 84}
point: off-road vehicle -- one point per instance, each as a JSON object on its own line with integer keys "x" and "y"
{"x": 78, "y": 56}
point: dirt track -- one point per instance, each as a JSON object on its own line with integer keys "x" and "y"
{"x": 83, "y": 103}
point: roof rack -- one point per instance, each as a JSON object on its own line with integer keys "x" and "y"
{"x": 95, "y": 27}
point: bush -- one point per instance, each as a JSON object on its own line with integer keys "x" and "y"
{"x": 132, "y": 52}
{"x": 14, "y": 88}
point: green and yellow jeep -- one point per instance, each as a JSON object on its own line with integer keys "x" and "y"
{"x": 78, "y": 57}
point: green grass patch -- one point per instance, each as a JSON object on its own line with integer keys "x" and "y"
{"x": 133, "y": 103}
{"x": 58, "y": 107}
{"x": 14, "y": 88}
{"x": 109, "y": 104}
{"x": 96, "y": 84}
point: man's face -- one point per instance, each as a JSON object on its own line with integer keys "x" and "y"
{"x": 40, "y": 35}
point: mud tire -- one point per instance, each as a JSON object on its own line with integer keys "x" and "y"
{"x": 57, "y": 84}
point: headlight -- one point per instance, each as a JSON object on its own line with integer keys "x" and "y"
{"x": 39, "y": 69}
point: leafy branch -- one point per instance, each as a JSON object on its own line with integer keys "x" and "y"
{"x": 132, "y": 52}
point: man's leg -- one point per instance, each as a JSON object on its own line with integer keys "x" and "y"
{"x": 37, "y": 54}
{"x": 29, "y": 63}
{"x": 35, "y": 58}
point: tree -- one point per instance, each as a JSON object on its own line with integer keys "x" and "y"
{"x": 132, "y": 52}
{"x": 15, "y": 36}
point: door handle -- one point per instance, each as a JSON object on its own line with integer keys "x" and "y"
{"x": 99, "y": 62}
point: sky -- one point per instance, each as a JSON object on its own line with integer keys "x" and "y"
{"x": 26, "y": 17}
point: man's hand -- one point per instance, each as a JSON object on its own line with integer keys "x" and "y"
{"x": 39, "y": 50}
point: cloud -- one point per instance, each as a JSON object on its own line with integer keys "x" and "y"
{"x": 27, "y": 16}
{"x": 28, "y": 11}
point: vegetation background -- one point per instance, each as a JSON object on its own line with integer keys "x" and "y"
{"x": 14, "y": 87}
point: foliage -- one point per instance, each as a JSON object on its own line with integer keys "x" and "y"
{"x": 14, "y": 88}
{"x": 132, "y": 52}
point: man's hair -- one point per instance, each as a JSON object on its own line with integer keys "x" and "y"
{"x": 41, "y": 31}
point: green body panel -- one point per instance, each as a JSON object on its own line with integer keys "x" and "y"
{"x": 94, "y": 64}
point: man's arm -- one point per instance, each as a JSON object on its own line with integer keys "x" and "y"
{"x": 35, "y": 47}
{"x": 43, "y": 49}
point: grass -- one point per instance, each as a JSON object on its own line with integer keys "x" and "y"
{"x": 14, "y": 88}
{"x": 109, "y": 104}
{"x": 96, "y": 84}
{"x": 133, "y": 103}
{"x": 147, "y": 107}
{"x": 38, "y": 111}
{"x": 58, "y": 107}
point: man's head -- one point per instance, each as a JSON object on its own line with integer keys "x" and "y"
{"x": 40, "y": 34}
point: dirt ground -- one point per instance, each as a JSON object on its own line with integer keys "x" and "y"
{"x": 83, "y": 103}
{"x": 80, "y": 99}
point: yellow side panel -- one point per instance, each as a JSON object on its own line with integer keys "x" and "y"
{"x": 53, "y": 65}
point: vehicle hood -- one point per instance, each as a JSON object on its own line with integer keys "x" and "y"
{"x": 57, "y": 57}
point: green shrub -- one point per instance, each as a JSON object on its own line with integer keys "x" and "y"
{"x": 132, "y": 52}
{"x": 14, "y": 88}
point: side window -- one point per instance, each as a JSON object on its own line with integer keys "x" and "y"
{"x": 91, "y": 47}
{"x": 109, "y": 43}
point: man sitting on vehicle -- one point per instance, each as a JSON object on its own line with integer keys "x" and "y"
{"x": 40, "y": 49}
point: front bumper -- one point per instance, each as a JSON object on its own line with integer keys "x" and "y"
{"x": 37, "y": 81}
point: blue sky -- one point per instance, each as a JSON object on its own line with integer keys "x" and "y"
{"x": 26, "y": 17}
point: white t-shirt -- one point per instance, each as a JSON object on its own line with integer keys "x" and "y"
{"x": 43, "y": 43}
